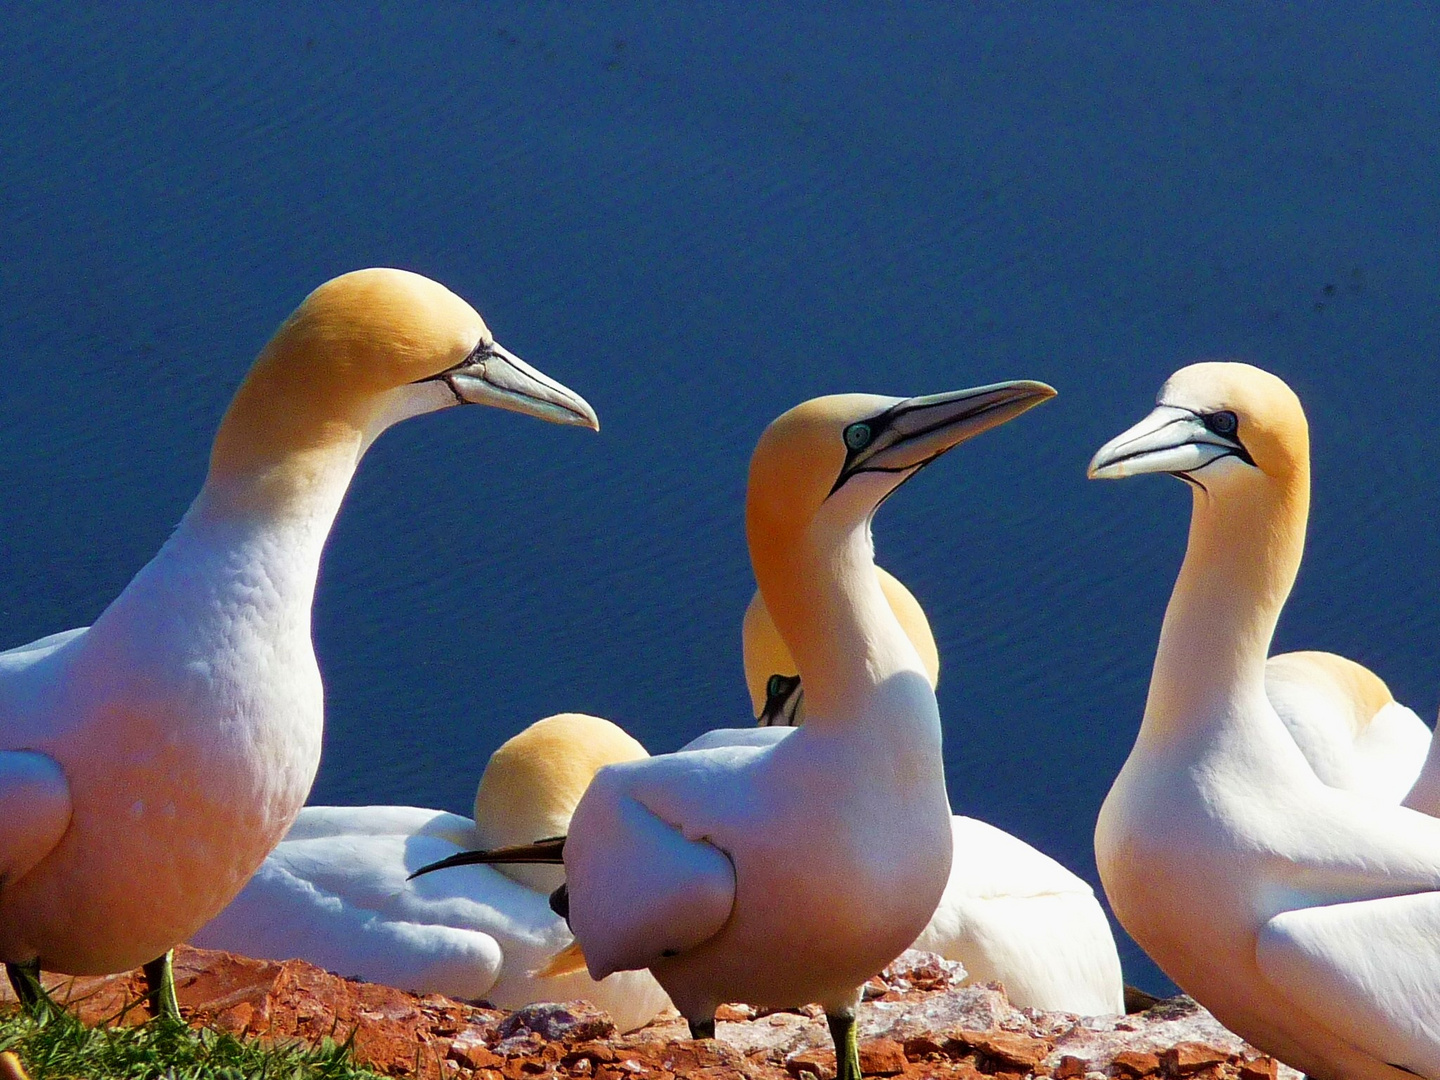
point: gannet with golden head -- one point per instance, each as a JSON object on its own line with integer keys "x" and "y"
{"x": 334, "y": 892}
{"x": 1010, "y": 913}
{"x": 790, "y": 873}
{"x": 1350, "y": 728}
{"x": 1306, "y": 918}
{"x": 150, "y": 762}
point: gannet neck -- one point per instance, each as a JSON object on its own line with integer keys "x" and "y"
{"x": 826, "y": 600}
{"x": 1244, "y": 550}
{"x": 765, "y": 653}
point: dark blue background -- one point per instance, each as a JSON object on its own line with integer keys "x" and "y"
{"x": 697, "y": 217}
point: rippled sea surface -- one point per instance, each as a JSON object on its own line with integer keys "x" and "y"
{"x": 697, "y": 218}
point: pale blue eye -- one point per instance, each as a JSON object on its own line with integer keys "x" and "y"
{"x": 857, "y": 436}
{"x": 1222, "y": 423}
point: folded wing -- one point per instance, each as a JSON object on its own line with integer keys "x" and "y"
{"x": 640, "y": 890}
{"x": 1368, "y": 970}
{"x": 34, "y": 810}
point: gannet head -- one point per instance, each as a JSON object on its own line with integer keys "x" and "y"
{"x": 838, "y": 457}
{"x": 770, "y": 670}
{"x": 363, "y": 351}
{"x": 1220, "y": 426}
{"x": 534, "y": 781}
{"x": 816, "y": 478}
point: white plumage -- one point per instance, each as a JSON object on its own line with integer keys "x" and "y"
{"x": 1303, "y": 916}
{"x": 789, "y": 873}
{"x": 1010, "y": 913}
{"x": 149, "y": 763}
{"x": 335, "y": 891}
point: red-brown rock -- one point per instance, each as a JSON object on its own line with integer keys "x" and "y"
{"x": 1187, "y": 1058}
{"x": 1069, "y": 1068}
{"x": 1137, "y": 1062}
{"x": 818, "y": 1063}
{"x": 882, "y": 1057}
{"x": 921, "y": 1047}
{"x": 1261, "y": 1068}
{"x": 1007, "y": 1048}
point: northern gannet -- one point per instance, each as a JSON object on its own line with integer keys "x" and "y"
{"x": 790, "y": 873}
{"x": 1010, "y": 913}
{"x": 150, "y": 762}
{"x": 334, "y": 892}
{"x": 1350, "y": 728}
{"x": 1306, "y": 918}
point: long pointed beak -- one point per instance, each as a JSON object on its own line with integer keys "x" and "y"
{"x": 917, "y": 430}
{"x": 1169, "y": 440}
{"x": 495, "y": 376}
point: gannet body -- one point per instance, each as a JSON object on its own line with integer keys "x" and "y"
{"x": 1009, "y": 913}
{"x": 1352, "y": 731}
{"x": 789, "y": 873}
{"x": 149, "y": 762}
{"x": 1301, "y": 915}
{"x": 335, "y": 891}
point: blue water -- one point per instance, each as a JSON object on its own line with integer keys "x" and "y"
{"x": 698, "y": 216}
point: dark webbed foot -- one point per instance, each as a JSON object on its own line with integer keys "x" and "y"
{"x": 702, "y": 1029}
{"x": 847, "y": 1046}
{"x": 160, "y": 988}
{"x": 25, "y": 978}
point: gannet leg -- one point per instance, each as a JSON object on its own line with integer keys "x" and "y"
{"x": 25, "y": 978}
{"x": 701, "y": 1029}
{"x": 847, "y": 1046}
{"x": 160, "y": 988}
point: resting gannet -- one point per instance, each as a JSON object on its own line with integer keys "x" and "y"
{"x": 1010, "y": 913}
{"x": 1306, "y": 918}
{"x": 1352, "y": 731}
{"x": 335, "y": 893}
{"x": 790, "y": 873}
{"x": 150, "y": 762}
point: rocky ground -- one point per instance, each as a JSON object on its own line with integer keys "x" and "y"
{"x": 917, "y": 1022}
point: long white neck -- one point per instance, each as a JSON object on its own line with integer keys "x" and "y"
{"x": 227, "y": 599}
{"x": 826, "y": 600}
{"x": 1243, "y": 554}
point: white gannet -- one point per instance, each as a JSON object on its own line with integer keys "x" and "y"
{"x": 790, "y": 873}
{"x": 1306, "y": 918}
{"x": 334, "y": 892}
{"x": 150, "y": 762}
{"x": 1352, "y": 731}
{"x": 1010, "y": 913}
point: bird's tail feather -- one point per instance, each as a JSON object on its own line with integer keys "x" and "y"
{"x": 567, "y": 960}
{"x": 551, "y": 851}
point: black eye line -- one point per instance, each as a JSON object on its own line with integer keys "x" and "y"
{"x": 1235, "y": 450}
{"x": 483, "y": 350}
{"x": 878, "y": 425}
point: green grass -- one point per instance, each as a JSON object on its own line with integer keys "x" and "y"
{"x": 59, "y": 1045}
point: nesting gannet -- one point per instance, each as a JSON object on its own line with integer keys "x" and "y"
{"x": 1306, "y": 918}
{"x": 1010, "y": 913}
{"x": 334, "y": 892}
{"x": 150, "y": 762}
{"x": 1350, "y": 728}
{"x": 790, "y": 873}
